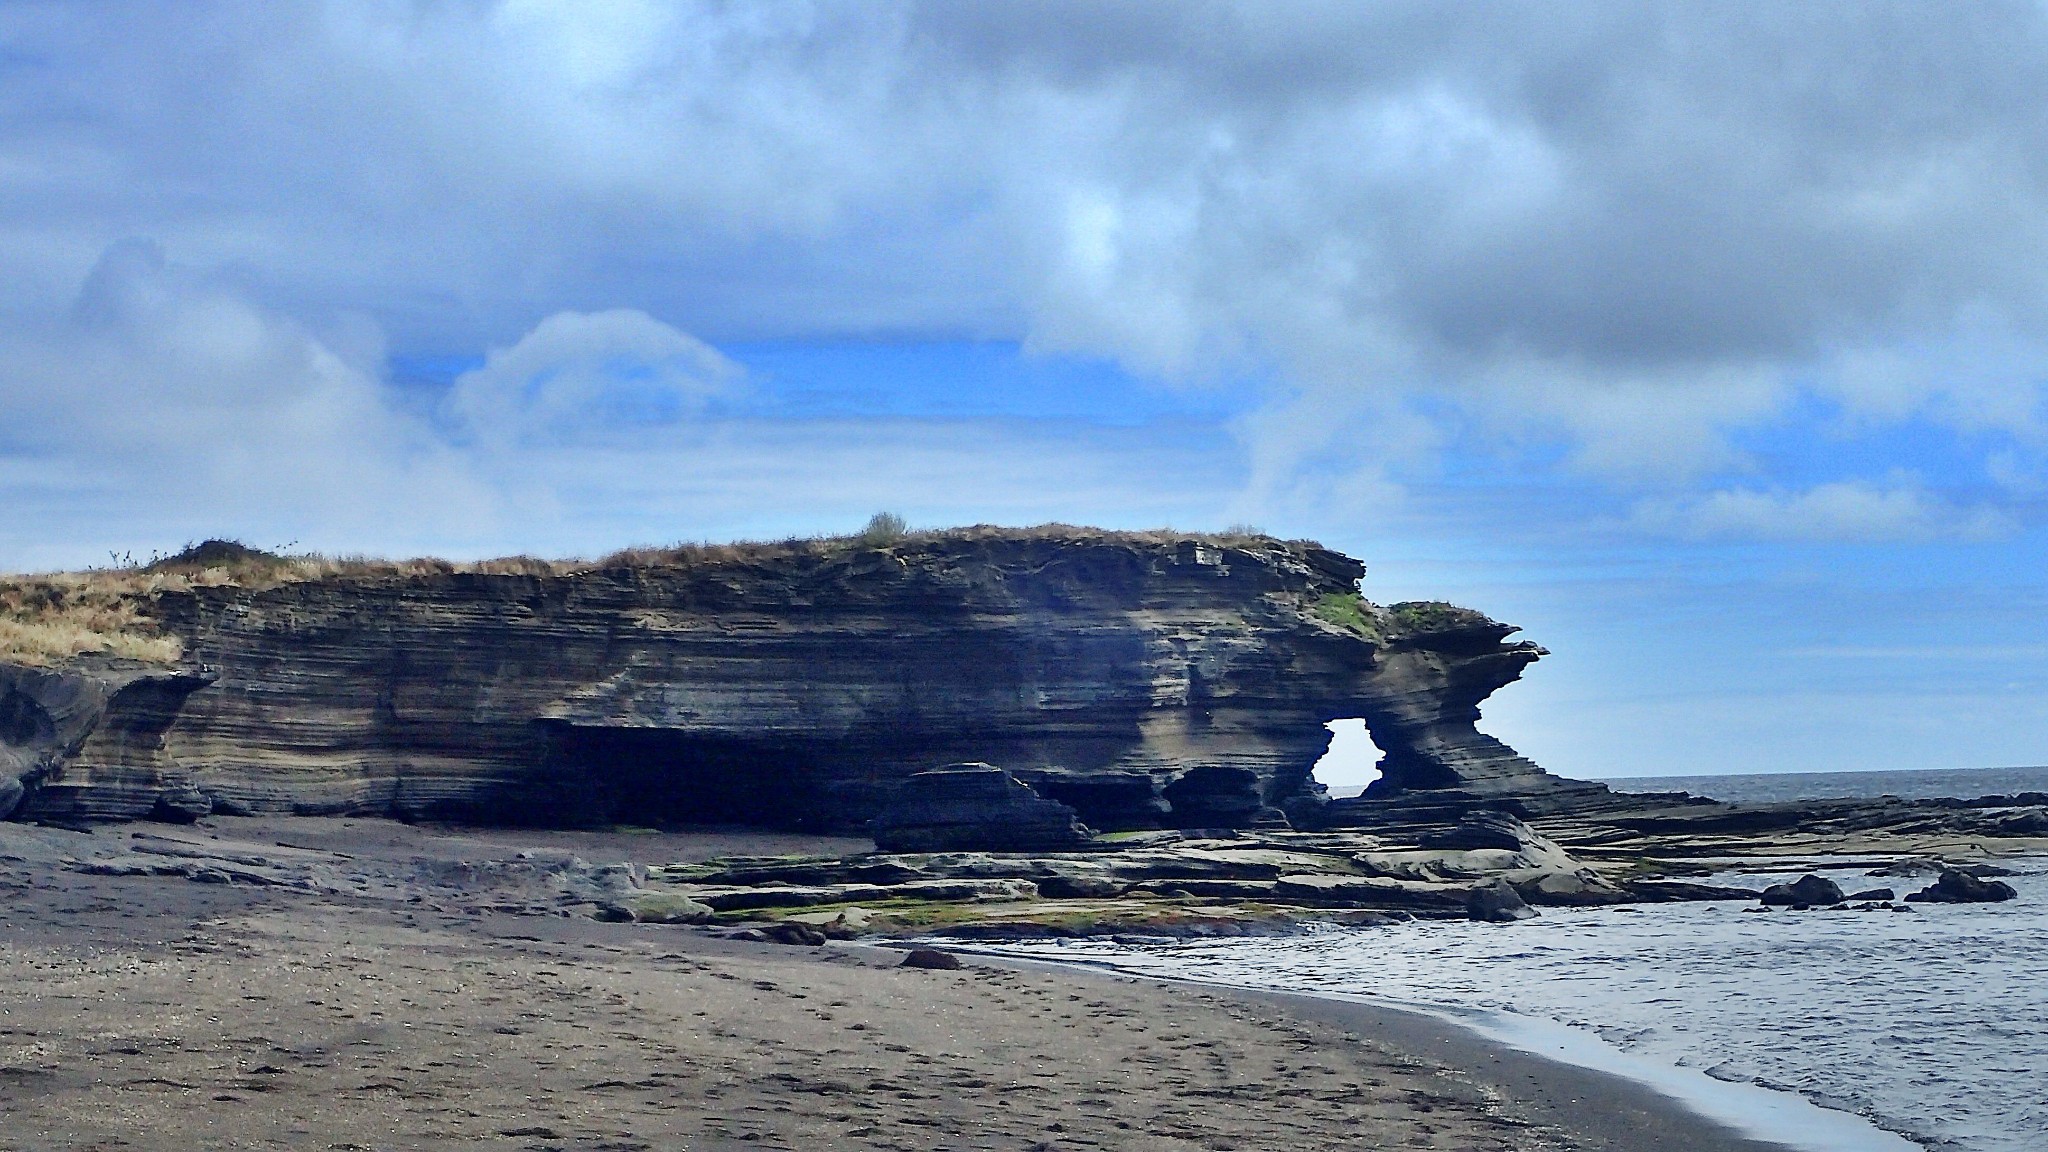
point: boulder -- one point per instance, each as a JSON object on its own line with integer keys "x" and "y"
{"x": 1496, "y": 903}
{"x": 931, "y": 958}
{"x": 1871, "y": 894}
{"x": 792, "y": 932}
{"x": 1487, "y": 841}
{"x": 1485, "y": 828}
{"x": 1808, "y": 891}
{"x": 663, "y": 908}
{"x": 1570, "y": 889}
{"x": 182, "y": 804}
{"x": 600, "y": 883}
{"x": 973, "y": 808}
{"x": 838, "y": 924}
{"x": 1955, "y": 886}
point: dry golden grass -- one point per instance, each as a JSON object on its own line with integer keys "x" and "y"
{"x": 910, "y": 542}
{"x": 51, "y": 618}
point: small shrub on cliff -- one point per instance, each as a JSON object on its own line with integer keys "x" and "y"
{"x": 230, "y": 554}
{"x": 883, "y": 528}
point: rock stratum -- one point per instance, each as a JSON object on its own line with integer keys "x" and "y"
{"x": 1143, "y": 680}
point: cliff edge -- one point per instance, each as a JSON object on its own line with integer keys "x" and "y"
{"x": 1144, "y": 679}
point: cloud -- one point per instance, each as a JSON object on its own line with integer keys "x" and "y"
{"x": 1634, "y": 229}
{"x": 581, "y": 374}
{"x": 162, "y": 405}
{"x": 1630, "y": 185}
{"x": 1852, "y": 512}
{"x": 162, "y": 402}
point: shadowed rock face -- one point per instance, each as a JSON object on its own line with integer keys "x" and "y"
{"x": 973, "y": 808}
{"x": 1144, "y": 680}
{"x": 107, "y": 724}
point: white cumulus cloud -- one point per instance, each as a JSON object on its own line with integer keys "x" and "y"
{"x": 579, "y": 374}
{"x": 164, "y": 403}
{"x": 1838, "y": 512}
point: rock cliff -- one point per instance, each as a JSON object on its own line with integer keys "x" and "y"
{"x": 1145, "y": 680}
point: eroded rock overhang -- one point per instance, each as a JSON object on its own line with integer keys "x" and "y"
{"x": 1144, "y": 679}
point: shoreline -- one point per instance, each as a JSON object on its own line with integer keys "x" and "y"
{"x": 158, "y": 1014}
{"x": 1745, "y": 1115}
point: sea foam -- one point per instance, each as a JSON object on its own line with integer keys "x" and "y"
{"x": 1931, "y": 1023}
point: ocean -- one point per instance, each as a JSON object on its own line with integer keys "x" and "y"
{"x": 1776, "y": 786}
{"x": 1830, "y": 1031}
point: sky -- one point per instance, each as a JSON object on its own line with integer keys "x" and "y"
{"x": 1706, "y": 342}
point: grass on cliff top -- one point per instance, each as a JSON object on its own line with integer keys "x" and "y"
{"x": 51, "y": 618}
{"x": 1429, "y": 615}
{"x": 47, "y": 620}
{"x": 1347, "y": 610}
{"x": 889, "y": 532}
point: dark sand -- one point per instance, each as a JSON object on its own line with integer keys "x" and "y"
{"x": 160, "y": 1014}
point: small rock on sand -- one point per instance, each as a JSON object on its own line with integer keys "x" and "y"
{"x": 930, "y": 958}
{"x": 791, "y": 932}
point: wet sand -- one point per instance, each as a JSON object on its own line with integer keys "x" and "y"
{"x": 153, "y": 1014}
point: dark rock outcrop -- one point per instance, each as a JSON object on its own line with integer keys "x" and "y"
{"x": 794, "y": 933}
{"x": 1955, "y": 886}
{"x": 1807, "y": 891}
{"x": 1670, "y": 891}
{"x": 973, "y": 808}
{"x": 1145, "y": 680}
{"x": 96, "y": 730}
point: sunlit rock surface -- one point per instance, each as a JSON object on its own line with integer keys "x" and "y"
{"x": 1146, "y": 680}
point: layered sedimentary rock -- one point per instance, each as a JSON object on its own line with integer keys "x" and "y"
{"x": 101, "y": 723}
{"x": 1145, "y": 680}
{"x": 973, "y": 808}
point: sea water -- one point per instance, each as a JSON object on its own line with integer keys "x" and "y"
{"x": 1773, "y": 787}
{"x": 1931, "y": 1023}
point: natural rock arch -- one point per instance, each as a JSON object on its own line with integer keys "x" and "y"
{"x": 1145, "y": 679}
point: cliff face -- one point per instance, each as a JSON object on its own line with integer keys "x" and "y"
{"x": 1142, "y": 679}
{"x": 102, "y": 725}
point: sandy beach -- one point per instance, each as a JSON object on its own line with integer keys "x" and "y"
{"x": 150, "y": 1013}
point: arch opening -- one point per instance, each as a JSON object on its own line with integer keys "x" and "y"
{"x": 1351, "y": 762}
